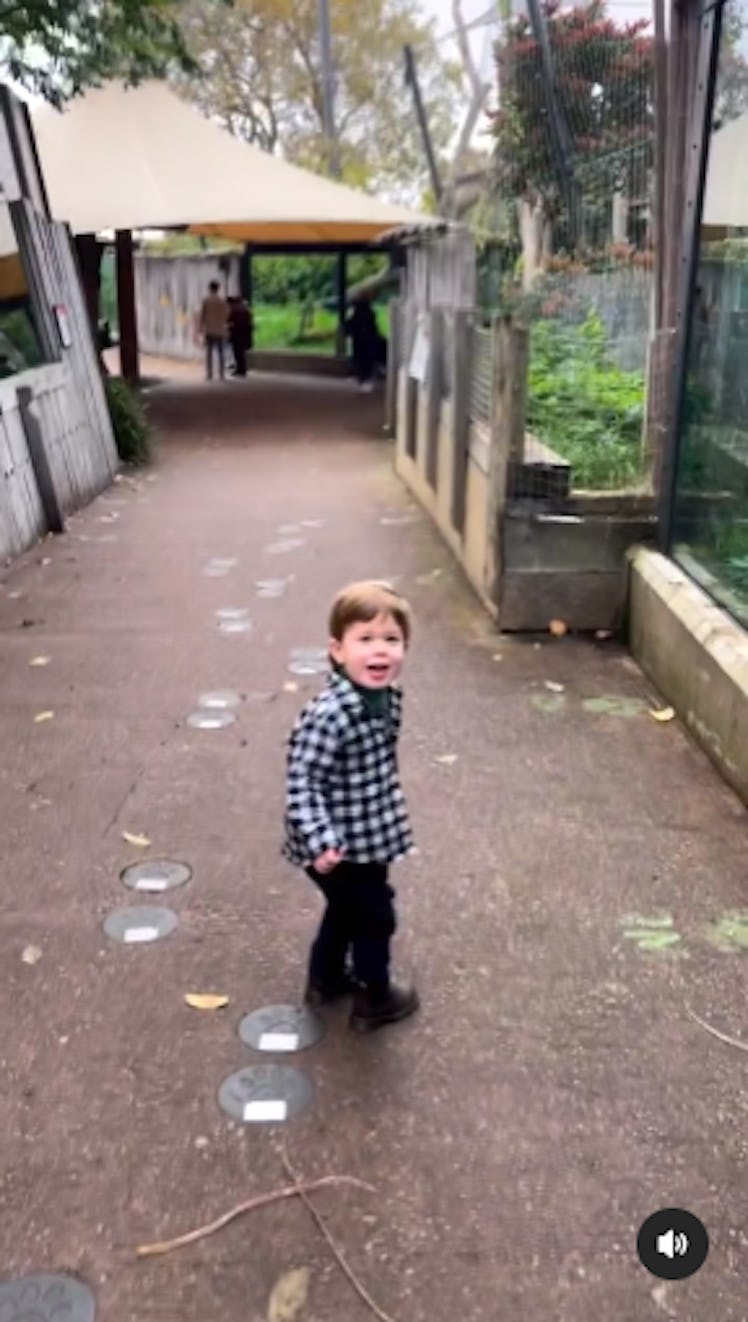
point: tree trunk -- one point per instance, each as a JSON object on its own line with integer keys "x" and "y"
{"x": 535, "y": 231}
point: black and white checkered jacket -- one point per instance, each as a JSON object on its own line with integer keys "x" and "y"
{"x": 342, "y": 786}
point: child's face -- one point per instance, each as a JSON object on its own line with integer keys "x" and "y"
{"x": 371, "y": 651}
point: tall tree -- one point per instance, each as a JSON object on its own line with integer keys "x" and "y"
{"x": 261, "y": 77}
{"x": 601, "y": 75}
{"x": 57, "y": 48}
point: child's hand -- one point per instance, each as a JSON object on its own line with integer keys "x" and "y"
{"x": 329, "y": 860}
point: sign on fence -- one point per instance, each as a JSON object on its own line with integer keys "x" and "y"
{"x": 419, "y": 358}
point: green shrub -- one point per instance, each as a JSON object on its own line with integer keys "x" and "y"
{"x": 132, "y": 430}
{"x": 583, "y": 406}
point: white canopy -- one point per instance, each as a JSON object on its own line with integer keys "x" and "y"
{"x": 726, "y": 195}
{"x": 141, "y": 158}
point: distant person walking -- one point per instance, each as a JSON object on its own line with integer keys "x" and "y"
{"x": 366, "y": 341}
{"x": 214, "y": 325}
{"x": 240, "y": 333}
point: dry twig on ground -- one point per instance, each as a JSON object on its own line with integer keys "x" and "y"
{"x": 296, "y": 1190}
{"x": 723, "y": 1037}
{"x": 304, "y": 1191}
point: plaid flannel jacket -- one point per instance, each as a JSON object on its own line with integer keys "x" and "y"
{"x": 342, "y": 785}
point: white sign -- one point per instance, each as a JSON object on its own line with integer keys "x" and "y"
{"x": 278, "y": 1041}
{"x": 419, "y": 358}
{"x": 267, "y": 1110}
{"x": 136, "y": 934}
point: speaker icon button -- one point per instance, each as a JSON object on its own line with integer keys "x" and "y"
{"x": 672, "y": 1244}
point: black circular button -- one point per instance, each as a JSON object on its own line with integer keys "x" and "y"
{"x": 672, "y": 1244}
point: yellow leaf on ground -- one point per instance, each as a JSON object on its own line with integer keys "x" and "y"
{"x": 554, "y": 686}
{"x": 558, "y": 628}
{"x": 447, "y": 759}
{"x": 31, "y": 955}
{"x": 39, "y": 661}
{"x": 205, "y": 1001}
{"x": 42, "y": 716}
{"x": 289, "y": 1295}
{"x": 290, "y": 687}
{"x": 662, "y": 713}
{"x": 141, "y": 841}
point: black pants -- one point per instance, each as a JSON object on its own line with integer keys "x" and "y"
{"x": 240, "y": 349}
{"x": 360, "y": 916}
{"x": 214, "y": 344}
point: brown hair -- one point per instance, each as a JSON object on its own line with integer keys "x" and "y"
{"x": 363, "y": 602}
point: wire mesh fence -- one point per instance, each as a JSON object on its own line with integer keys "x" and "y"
{"x": 481, "y": 376}
{"x": 575, "y": 154}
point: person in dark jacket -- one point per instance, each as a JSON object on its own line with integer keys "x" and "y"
{"x": 240, "y": 333}
{"x": 366, "y": 341}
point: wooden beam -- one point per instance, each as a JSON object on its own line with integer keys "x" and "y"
{"x": 128, "y": 321}
{"x": 89, "y": 252}
{"x": 341, "y": 285}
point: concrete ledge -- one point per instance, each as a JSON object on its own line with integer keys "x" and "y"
{"x": 308, "y": 364}
{"x": 696, "y": 654}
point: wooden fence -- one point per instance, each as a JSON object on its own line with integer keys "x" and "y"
{"x": 456, "y": 401}
{"x": 57, "y": 450}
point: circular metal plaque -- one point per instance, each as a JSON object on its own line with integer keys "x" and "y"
{"x": 308, "y": 660}
{"x": 220, "y": 700}
{"x": 210, "y": 720}
{"x": 284, "y": 544}
{"x": 45, "y": 1298}
{"x": 265, "y": 1094}
{"x": 397, "y": 520}
{"x": 218, "y": 568}
{"x": 308, "y": 667}
{"x": 157, "y": 874}
{"x": 235, "y": 626}
{"x": 140, "y": 925}
{"x": 281, "y": 1028}
{"x": 232, "y": 613}
{"x": 271, "y": 587}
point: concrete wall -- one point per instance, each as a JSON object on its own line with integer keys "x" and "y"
{"x": 697, "y": 655}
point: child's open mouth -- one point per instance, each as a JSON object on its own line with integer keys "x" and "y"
{"x": 378, "y": 670}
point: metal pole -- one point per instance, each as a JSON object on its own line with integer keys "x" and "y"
{"x": 694, "y": 167}
{"x": 560, "y": 136}
{"x": 328, "y": 88}
{"x": 411, "y": 81}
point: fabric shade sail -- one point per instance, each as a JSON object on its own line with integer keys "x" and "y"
{"x": 141, "y": 158}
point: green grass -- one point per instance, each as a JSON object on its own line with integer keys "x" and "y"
{"x": 584, "y": 407}
{"x": 278, "y": 326}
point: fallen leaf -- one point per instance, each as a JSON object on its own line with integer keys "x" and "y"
{"x": 141, "y": 841}
{"x": 553, "y": 686}
{"x": 31, "y": 955}
{"x": 662, "y": 713}
{"x": 290, "y": 687}
{"x": 43, "y": 716}
{"x": 558, "y": 628}
{"x": 447, "y": 759}
{"x": 205, "y": 1001}
{"x": 47, "y": 560}
{"x": 40, "y": 661}
{"x": 498, "y": 656}
{"x": 289, "y": 1295}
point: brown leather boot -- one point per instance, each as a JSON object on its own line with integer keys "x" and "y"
{"x": 370, "y": 1011}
